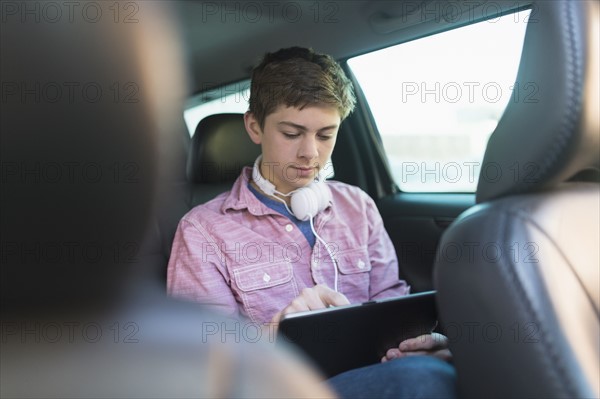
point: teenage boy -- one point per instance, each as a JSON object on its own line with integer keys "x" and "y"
{"x": 283, "y": 240}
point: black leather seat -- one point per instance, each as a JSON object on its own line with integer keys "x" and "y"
{"x": 219, "y": 150}
{"x": 518, "y": 274}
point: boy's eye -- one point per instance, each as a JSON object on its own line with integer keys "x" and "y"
{"x": 291, "y": 135}
{"x": 325, "y": 137}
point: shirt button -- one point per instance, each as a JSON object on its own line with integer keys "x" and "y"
{"x": 289, "y": 227}
{"x": 266, "y": 278}
{"x": 361, "y": 264}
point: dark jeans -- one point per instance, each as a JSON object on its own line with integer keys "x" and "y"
{"x": 407, "y": 377}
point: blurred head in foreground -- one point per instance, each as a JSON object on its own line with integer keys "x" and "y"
{"x": 89, "y": 100}
{"x": 85, "y": 101}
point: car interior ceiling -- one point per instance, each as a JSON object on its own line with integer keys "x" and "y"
{"x": 343, "y": 29}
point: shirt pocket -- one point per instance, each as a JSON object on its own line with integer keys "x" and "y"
{"x": 354, "y": 266}
{"x": 266, "y": 288}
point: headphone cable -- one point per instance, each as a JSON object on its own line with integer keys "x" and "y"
{"x": 333, "y": 260}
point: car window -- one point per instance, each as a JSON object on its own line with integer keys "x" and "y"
{"x": 436, "y": 100}
{"x": 216, "y": 100}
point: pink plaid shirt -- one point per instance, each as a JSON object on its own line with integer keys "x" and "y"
{"x": 239, "y": 255}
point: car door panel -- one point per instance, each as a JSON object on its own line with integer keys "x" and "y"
{"x": 415, "y": 223}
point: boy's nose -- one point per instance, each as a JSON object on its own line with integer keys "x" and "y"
{"x": 308, "y": 148}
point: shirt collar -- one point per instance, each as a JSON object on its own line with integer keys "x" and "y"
{"x": 241, "y": 198}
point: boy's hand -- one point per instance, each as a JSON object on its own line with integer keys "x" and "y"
{"x": 317, "y": 297}
{"x": 429, "y": 344}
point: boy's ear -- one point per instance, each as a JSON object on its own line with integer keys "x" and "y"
{"x": 252, "y": 127}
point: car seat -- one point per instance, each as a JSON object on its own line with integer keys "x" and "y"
{"x": 518, "y": 273}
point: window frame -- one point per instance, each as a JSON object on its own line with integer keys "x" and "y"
{"x": 381, "y": 172}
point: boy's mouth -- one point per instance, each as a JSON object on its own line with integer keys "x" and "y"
{"x": 304, "y": 171}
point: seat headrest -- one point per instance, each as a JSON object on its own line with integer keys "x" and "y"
{"x": 554, "y": 134}
{"x": 219, "y": 150}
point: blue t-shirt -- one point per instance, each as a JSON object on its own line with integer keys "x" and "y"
{"x": 278, "y": 206}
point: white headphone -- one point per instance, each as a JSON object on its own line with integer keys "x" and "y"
{"x": 305, "y": 202}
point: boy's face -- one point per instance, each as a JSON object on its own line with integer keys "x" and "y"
{"x": 295, "y": 143}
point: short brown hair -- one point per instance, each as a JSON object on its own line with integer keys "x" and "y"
{"x": 297, "y": 77}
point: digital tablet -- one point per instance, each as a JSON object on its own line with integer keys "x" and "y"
{"x": 343, "y": 338}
